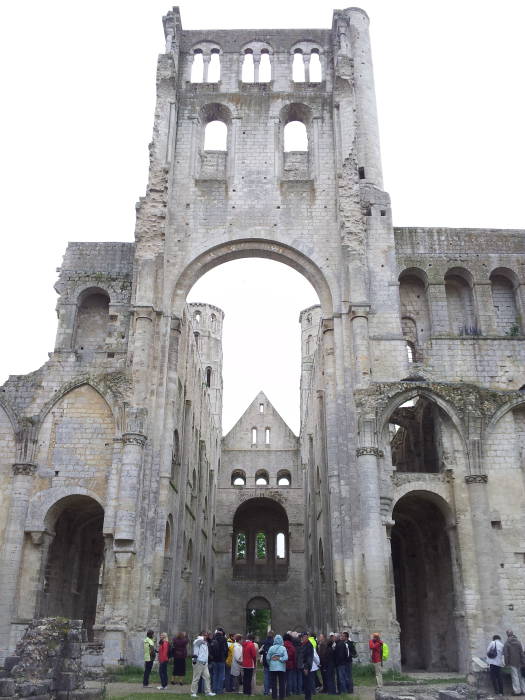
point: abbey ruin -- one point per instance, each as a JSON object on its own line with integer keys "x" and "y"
{"x": 400, "y": 505}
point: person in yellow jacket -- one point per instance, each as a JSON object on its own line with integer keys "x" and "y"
{"x": 149, "y": 656}
{"x": 228, "y": 667}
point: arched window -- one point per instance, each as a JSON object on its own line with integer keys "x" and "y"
{"x": 280, "y": 546}
{"x": 411, "y": 352}
{"x": 197, "y": 67}
{"x": 265, "y": 67}
{"x": 415, "y": 312}
{"x": 315, "y": 67}
{"x": 260, "y": 546}
{"x": 261, "y": 408}
{"x": 241, "y": 546}
{"x": 504, "y": 302}
{"x": 91, "y": 328}
{"x": 213, "y": 322}
{"x": 295, "y": 137}
{"x": 284, "y": 478}
{"x": 262, "y": 478}
{"x": 214, "y": 69}
{"x": 208, "y": 376}
{"x": 267, "y": 436}
{"x": 197, "y": 317}
{"x": 254, "y": 436}
{"x": 215, "y": 136}
{"x": 238, "y": 478}
{"x": 248, "y": 68}
{"x": 459, "y": 303}
{"x": 298, "y": 72}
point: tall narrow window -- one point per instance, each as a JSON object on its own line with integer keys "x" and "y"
{"x": 215, "y": 136}
{"x": 280, "y": 546}
{"x": 208, "y": 376}
{"x": 260, "y": 546}
{"x": 411, "y": 351}
{"x": 254, "y": 436}
{"x": 214, "y": 69}
{"x": 197, "y": 68}
{"x": 267, "y": 436}
{"x": 197, "y": 317}
{"x": 298, "y": 75}
{"x": 295, "y": 137}
{"x": 261, "y": 408}
{"x": 248, "y": 69}
{"x": 213, "y": 323}
{"x": 265, "y": 68}
{"x": 315, "y": 67}
{"x": 241, "y": 546}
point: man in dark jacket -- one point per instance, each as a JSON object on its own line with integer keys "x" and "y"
{"x": 326, "y": 658}
{"x": 218, "y": 654}
{"x": 341, "y": 664}
{"x": 304, "y": 662}
{"x": 513, "y": 654}
{"x": 263, "y": 651}
{"x": 351, "y": 653}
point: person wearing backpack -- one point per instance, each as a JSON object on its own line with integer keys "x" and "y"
{"x": 263, "y": 652}
{"x": 376, "y": 654}
{"x": 496, "y": 661}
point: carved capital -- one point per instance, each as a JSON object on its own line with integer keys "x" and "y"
{"x": 476, "y": 479}
{"x": 375, "y": 451}
{"x": 134, "y": 439}
{"x": 24, "y": 468}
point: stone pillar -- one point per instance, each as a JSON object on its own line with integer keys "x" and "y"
{"x": 485, "y": 308}
{"x": 67, "y": 312}
{"x": 206, "y": 58}
{"x": 115, "y": 630}
{"x": 130, "y": 480}
{"x": 256, "y": 66}
{"x": 368, "y": 148}
{"x": 12, "y": 550}
{"x": 359, "y": 319}
{"x": 437, "y": 302}
{"x": 143, "y": 340}
{"x": 306, "y": 62}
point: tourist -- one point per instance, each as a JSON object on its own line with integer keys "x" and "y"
{"x": 376, "y": 649}
{"x": 496, "y": 662}
{"x": 263, "y": 652}
{"x": 149, "y": 657}
{"x": 340, "y": 652}
{"x": 326, "y": 658}
{"x": 249, "y": 658}
{"x": 200, "y": 665}
{"x": 305, "y": 664}
{"x": 254, "y": 674}
{"x": 228, "y": 666}
{"x": 179, "y": 652}
{"x": 236, "y": 665}
{"x": 291, "y": 683}
{"x": 218, "y": 655}
{"x": 164, "y": 655}
{"x": 298, "y": 656}
{"x": 277, "y": 657}
{"x": 513, "y": 654}
{"x": 351, "y": 653}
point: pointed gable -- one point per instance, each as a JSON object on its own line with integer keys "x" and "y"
{"x": 261, "y": 416}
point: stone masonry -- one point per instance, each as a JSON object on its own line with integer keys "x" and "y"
{"x": 399, "y": 506}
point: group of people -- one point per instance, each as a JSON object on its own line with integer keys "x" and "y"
{"x": 509, "y": 654}
{"x": 293, "y": 664}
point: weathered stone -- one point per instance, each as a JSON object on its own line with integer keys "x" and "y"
{"x": 7, "y": 687}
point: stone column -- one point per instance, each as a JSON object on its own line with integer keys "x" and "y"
{"x": 142, "y": 343}
{"x": 437, "y": 302}
{"x": 256, "y": 66}
{"x": 485, "y": 308}
{"x": 12, "y": 550}
{"x": 67, "y": 312}
{"x": 306, "y": 62}
{"x": 359, "y": 320}
{"x": 115, "y": 630}
{"x": 206, "y": 58}
{"x": 130, "y": 481}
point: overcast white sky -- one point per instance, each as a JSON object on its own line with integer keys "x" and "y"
{"x": 77, "y": 110}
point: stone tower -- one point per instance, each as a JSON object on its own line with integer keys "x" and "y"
{"x": 398, "y": 508}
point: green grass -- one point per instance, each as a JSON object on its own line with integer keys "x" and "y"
{"x": 186, "y": 696}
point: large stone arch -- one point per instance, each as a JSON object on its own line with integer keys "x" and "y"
{"x": 43, "y": 505}
{"x": 112, "y": 400}
{"x": 252, "y": 248}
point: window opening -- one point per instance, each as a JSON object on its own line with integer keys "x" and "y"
{"x": 208, "y": 376}
{"x": 261, "y": 408}
{"x": 295, "y": 137}
{"x": 238, "y": 478}
{"x": 197, "y": 317}
{"x": 254, "y": 436}
{"x": 280, "y": 546}
{"x": 411, "y": 352}
{"x": 261, "y": 479}
{"x": 215, "y": 136}
{"x": 197, "y": 68}
{"x": 248, "y": 68}
{"x": 361, "y": 172}
{"x": 267, "y": 436}
{"x": 315, "y": 67}
{"x": 265, "y": 68}
{"x": 241, "y": 546}
{"x": 260, "y": 546}
{"x": 298, "y": 72}
{"x": 213, "y": 322}
{"x": 283, "y": 479}
{"x": 214, "y": 69}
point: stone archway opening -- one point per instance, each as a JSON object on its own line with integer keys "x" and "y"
{"x": 74, "y": 560}
{"x": 258, "y": 617}
{"x": 424, "y": 584}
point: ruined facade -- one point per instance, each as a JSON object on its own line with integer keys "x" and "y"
{"x": 398, "y": 508}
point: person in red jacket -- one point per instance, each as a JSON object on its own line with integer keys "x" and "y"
{"x": 376, "y": 649}
{"x": 290, "y": 666}
{"x": 164, "y": 653}
{"x": 249, "y": 657}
